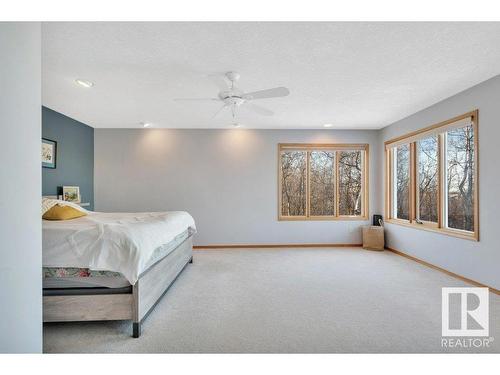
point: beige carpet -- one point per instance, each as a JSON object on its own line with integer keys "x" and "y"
{"x": 285, "y": 301}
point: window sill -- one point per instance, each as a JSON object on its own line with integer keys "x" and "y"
{"x": 323, "y": 218}
{"x": 433, "y": 228}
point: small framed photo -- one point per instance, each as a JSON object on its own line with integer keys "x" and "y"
{"x": 71, "y": 194}
{"x": 49, "y": 153}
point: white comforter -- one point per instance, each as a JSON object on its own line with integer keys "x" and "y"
{"x": 120, "y": 242}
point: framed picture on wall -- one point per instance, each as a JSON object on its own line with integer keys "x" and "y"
{"x": 71, "y": 194}
{"x": 49, "y": 153}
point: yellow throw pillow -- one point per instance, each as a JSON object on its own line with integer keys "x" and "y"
{"x": 58, "y": 212}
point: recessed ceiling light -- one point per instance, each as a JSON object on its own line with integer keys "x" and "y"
{"x": 84, "y": 83}
{"x": 145, "y": 124}
{"x": 327, "y": 125}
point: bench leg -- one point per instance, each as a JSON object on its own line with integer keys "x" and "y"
{"x": 136, "y": 329}
{"x": 136, "y": 326}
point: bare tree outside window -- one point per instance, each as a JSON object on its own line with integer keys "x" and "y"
{"x": 402, "y": 170}
{"x": 293, "y": 183}
{"x": 460, "y": 178}
{"x": 350, "y": 184}
{"x": 322, "y": 183}
{"x": 427, "y": 156}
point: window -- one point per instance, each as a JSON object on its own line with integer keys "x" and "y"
{"x": 460, "y": 169}
{"x": 432, "y": 178}
{"x": 293, "y": 187}
{"x": 401, "y": 180}
{"x": 323, "y": 182}
{"x": 427, "y": 179}
{"x": 350, "y": 183}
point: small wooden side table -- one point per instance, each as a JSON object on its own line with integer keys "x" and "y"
{"x": 373, "y": 238}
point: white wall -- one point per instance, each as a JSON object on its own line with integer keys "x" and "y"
{"x": 479, "y": 261}
{"x": 227, "y": 179}
{"x": 20, "y": 189}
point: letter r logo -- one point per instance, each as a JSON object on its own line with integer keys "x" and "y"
{"x": 470, "y": 313}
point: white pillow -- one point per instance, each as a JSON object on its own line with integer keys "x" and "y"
{"x": 71, "y": 204}
{"x": 48, "y": 203}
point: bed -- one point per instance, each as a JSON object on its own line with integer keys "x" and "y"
{"x": 112, "y": 266}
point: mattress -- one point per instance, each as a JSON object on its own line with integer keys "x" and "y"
{"x": 120, "y": 242}
{"x": 73, "y": 277}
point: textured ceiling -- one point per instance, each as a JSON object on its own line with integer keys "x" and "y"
{"x": 353, "y": 75}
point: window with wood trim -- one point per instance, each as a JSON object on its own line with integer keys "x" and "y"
{"x": 323, "y": 181}
{"x": 427, "y": 179}
{"x": 401, "y": 181}
{"x": 432, "y": 178}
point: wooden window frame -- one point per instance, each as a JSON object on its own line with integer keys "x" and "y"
{"x": 429, "y": 224}
{"x": 393, "y": 213}
{"x": 310, "y": 147}
{"x": 438, "y": 129}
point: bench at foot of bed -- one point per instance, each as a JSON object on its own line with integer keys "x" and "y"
{"x": 132, "y": 303}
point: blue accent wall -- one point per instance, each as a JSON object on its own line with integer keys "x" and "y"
{"x": 75, "y": 155}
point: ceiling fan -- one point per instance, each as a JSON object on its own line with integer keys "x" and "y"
{"x": 234, "y": 98}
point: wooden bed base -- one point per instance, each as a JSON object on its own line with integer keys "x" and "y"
{"x": 134, "y": 305}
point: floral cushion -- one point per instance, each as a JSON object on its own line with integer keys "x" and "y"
{"x": 75, "y": 272}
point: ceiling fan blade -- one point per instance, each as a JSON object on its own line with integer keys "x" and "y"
{"x": 269, "y": 93}
{"x": 258, "y": 109}
{"x": 219, "y": 111}
{"x": 220, "y": 81}
{"x": 194, "y": 99}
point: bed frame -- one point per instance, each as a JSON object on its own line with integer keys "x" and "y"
{"x": 130, "y": 303}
